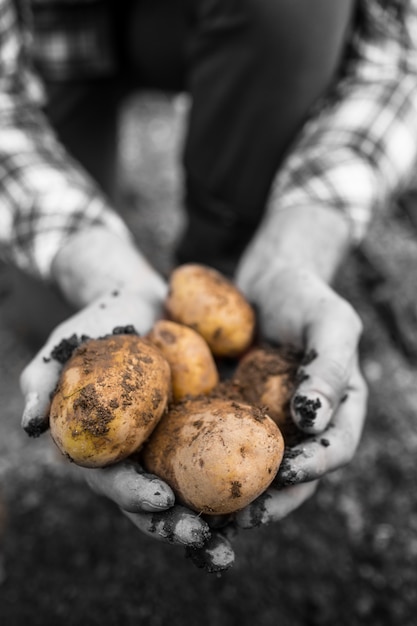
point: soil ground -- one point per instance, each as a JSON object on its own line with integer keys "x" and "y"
{"x": 346, "y": 557}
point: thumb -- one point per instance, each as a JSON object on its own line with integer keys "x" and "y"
{"x": 37, "y": 382}
{"x": 331, "y": 347}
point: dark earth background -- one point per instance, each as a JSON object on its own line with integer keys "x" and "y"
{"x": 347, "y": 556}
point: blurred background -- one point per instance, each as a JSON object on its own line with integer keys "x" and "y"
{"x": 348, "y": 556}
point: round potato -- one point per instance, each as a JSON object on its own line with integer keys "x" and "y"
{"x": 110, "y": 396}
{"x": 217, "y": 455}
{"x": 204, "y": 299}
{"x": 193, "y": 369}
{"x": 267, "y": 377}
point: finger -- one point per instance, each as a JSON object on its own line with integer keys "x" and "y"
{"x": 215, "y": 556}
{"x": 40, "y": 377}
{"x": 37, "y": 382}
{"x": 178, "y": 526}
{"x": 274, "y": 505}
{"x": 336, "y": 447}
{"x": 130, "y": 487}
{"x": 330, "y": 356}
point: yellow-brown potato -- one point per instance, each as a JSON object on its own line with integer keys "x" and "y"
{"x": 110, "y": 396}
{"x": 193, "y": 369}
{"x": 204, "y": 299}
{"x": 217, "y": 455}
{"x": 267, "y": 377}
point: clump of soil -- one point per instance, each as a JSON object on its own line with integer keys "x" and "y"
{"x": 64, "y": 350}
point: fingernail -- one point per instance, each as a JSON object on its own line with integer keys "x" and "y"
{"x": 192, "y": 531}
{"x": 160, "y": 497}
{"x": 215, "y": 557}
{"x": 312, "y": 411}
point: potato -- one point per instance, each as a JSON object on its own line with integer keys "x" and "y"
{"x": 204, "y": 299}
{"x": 110, "y": 396}
{"x": 193, "y": 369}
{"x": 267, "y": 378}
{"x": 217, "y": 455}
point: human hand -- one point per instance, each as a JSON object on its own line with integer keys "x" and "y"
{"x": 145, "y": 499}
{"x": 149, "y": 504}
{"x": 119, "y": 309}
{"x": 329, "y": 403}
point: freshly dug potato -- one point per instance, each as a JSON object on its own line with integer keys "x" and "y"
{"x": 267, "y": 378}
{"x": 110, "y": 396}
{"x": 217, "y": 455}
{"x": 201, "y": 297}
{"x": 193, "y": 369}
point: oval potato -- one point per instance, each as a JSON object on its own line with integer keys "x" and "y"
{"x": 110, "y": 396}
{"x": 193, "y": 369}
{"x": 217, "y": 455}
{"x": 267, "y": 378}
{"x": 204, "y": 299}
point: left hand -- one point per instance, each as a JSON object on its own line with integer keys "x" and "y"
{"x": 329, "y": 404}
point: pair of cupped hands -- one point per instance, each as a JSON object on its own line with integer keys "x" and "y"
{"x": 304, "y": 312}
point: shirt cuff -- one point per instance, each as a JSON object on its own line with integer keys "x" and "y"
{"x": 38, "y": 236}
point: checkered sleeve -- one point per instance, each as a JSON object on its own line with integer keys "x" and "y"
{"x": 44, "y": 196}
{"x": 360, "y": 148}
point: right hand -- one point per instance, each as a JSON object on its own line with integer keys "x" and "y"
{"x": 118, "y": 308}
{"x": 145, "y": 499}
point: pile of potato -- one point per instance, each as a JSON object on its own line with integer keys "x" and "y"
{"x": 217, "y": 443}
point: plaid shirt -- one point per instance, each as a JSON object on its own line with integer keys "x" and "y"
{"x": 356, "y": 151}
{"x": 44, "y": 195}
{"x": 360, "y": 148}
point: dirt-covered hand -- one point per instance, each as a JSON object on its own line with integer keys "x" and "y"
{"x": 150, "y": 505}
{"x": 145, "y": 499}
{"x": 119, "y": 309}
{"x": 315, "y": 455}
{"x": 330, "y": 400}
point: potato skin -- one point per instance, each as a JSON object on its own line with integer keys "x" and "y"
{"x": 217, "y": 455}
{"x": 267, "y": 377}
{"x": 110, "y": 396}
{"x": 201, "y": 297}
{"x": 193, "y": 368}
